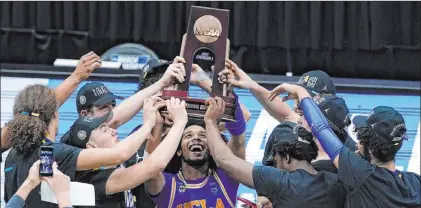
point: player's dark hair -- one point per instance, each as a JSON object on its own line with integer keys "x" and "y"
{"x": 381, "y": 148}
{"x": 341, "y": 133}
{"x": 300, "y": 150}
{"x": 150, "y": 79}
{"x": 26, "y": 131}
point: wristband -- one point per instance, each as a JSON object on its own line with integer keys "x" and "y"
{"x": 238, "y": 127}
{"x": 321, "y": 128}
{"x": 145, "y": 154}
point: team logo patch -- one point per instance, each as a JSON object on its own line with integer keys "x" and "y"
{"x": 214, "y": 190}
{"x": 82, "y": 100}
{"x": 81, "y": 135}
{"x": 182, "y": 189}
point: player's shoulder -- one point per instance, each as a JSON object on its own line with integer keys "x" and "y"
{"x": 411, "y": 176}
{"x": 61, "y": 146}
{"x": 328, "y": 177}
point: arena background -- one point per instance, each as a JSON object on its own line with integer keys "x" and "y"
{"x": 373, "y": 50}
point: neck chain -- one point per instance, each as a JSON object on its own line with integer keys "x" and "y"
{"x": 180, "y": 173}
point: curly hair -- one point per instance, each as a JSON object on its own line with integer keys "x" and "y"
{"x": 381, "y": 148}
{"x": 26, "y": 132}
{"x": 341, "y": 133}
{"x": 297, "y": 149}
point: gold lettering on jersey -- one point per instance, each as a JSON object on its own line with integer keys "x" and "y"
{"x": 199, "y": 204}
{"x": 219, "y": 204}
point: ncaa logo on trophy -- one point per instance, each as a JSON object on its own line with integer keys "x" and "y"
{"x": 205, "y": 44}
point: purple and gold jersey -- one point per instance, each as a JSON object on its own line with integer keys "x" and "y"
{"x": 217, "y": 190}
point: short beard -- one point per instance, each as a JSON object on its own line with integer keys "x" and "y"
{"x": 196, "y": 164}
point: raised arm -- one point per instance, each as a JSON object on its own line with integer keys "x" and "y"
{"x": 238, "y": 132}
{"x": 123, "y": 150}
{"x": 199, "y": 78}
{"x": 84, "y": 68}
{"x": 318, "y": 122}
{"x": 127, "y": 109}
{"x": 237, "y": 168}
{"x": 155, "y": 163}
{"x": 155, "y": 137}
{"x": 277, "y": 109}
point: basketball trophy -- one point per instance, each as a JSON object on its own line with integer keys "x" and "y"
{"x": 206, "y": 43}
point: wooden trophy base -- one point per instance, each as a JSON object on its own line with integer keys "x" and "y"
{"x": 196, "y": 108}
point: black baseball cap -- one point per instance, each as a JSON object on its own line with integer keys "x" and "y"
{"x": 81, "y": 129}
{"x": 151, "y": 67}
{"x": 285, "y": 131}
{"x": 94, "y": 93}
{"x": 385, "y": 121}
{"x": 334, "y": 109}
{"x": 317, "y": 82}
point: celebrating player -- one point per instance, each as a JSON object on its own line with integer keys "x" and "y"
{"x": 294, "y": 183}
{"x": 95, "y": 99}
{"x": 372, "y": 178}
{"x": 153, "y": 71}
{"x": 86, "y": 65}
{"x": 198, "y": 181}
{"x": 111, "y": 183}
{"x": 35, "y": 123}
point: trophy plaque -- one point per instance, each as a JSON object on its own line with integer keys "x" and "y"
{"x": 206, "y": 44}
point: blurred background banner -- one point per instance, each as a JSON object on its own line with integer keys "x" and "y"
{"x": 346, "y": 39}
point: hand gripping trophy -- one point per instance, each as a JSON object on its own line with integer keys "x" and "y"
{"x": 205, "y": 42}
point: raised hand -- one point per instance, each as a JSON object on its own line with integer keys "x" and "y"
{"x": 243, "y": 81}
{"x": 87, "y": 63}
{"x": 175, "y": 71}
{"x": 150, "y": 109}
{"x": 295, "y": 92}
{"x": 227, "y": 76}
{"x": 198, "y": 75}
{"x": 216, "y": 108}
{"x": 177, "y": 110}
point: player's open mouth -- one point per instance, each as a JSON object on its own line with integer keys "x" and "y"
{"x": 196, "y": 148}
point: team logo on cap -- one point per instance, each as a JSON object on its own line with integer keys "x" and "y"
{"x": 394, "y": 130}
{"x": 81, "y": 135}
{"x": 82, "y": 100}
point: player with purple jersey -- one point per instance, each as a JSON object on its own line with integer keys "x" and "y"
{"x": 215, "y": 190}
{"x": 197, "y": 181}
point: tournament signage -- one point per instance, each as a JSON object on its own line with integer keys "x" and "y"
{"x": 131, "y": 62}
{"x": 132, "y": 56}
